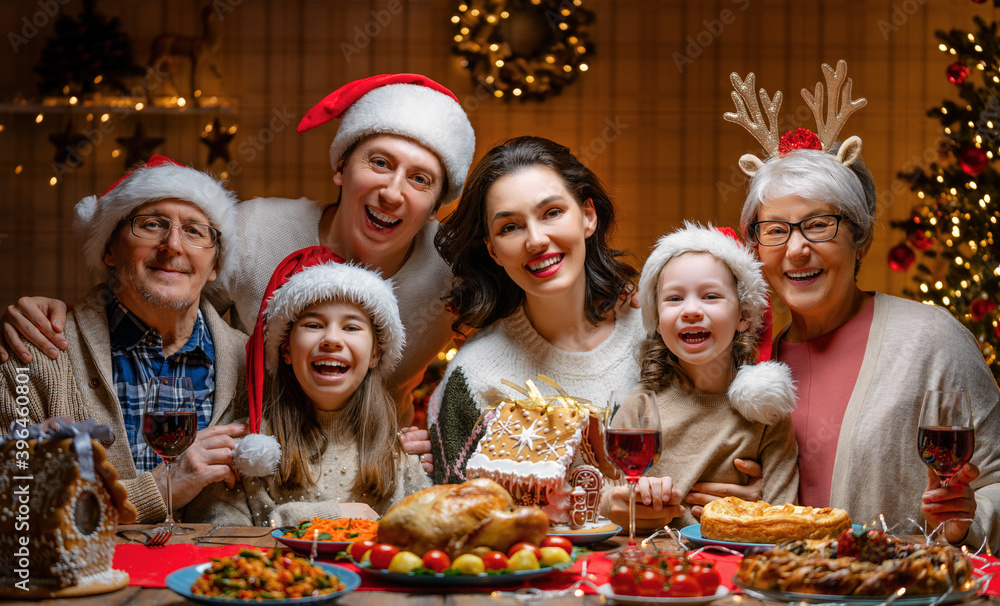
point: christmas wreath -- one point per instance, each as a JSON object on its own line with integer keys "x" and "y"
{"x": 526, "y": 49}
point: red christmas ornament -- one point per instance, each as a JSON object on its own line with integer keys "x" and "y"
{"x": 901, "y": 258}
{"x": 800, "y": 138}
{"x": 972, "y": 160}
{"x": 978, "y": 1}
{"x": 921, "y": 241}
{"x": 980, "y": 307}
{"x": 957, "y": 73}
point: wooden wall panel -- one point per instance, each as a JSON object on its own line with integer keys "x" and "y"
{"x": 651, "y": 129}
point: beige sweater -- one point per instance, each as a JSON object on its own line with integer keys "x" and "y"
{"x": 700, "y": 437}
{"x": 911, "y": 348}
{"x": 273, "y": 228}
{"x": 79, "y": 384}
{"x": 253, "y": 504}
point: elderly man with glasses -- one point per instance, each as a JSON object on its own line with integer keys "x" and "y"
{"x": 157, "y": 236}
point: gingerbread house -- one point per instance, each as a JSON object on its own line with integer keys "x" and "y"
{"x": 546, "y": 451}
{"x": 60, "y": 504}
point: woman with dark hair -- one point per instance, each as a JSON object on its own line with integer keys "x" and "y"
{"x": 536, "y": 275}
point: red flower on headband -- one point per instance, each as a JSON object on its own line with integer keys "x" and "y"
{"x": 800, "y": 138}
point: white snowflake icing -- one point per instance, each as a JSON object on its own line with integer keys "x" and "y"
{"x": 527, "y": 437}
{"x": 551, "y": 448}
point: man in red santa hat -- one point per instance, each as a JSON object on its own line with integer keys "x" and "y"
{"x": 402, "y": 149}
{"x": 146, "y": 319}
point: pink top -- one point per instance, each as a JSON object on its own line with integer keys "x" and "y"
{"x": 825, "y": 371}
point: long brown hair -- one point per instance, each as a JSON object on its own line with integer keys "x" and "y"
{"x": 369, "y": 416}
{"x": 482, "y": 292}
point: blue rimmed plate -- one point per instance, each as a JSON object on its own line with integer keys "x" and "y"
{"x": 693, "y": 534}
{"x": 586, "y": 538}
{"x": 180, "y": 582}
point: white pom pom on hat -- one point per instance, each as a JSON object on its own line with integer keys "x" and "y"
{"x": 256, "y": 455}
{"x": 158, "y": 179}
{"x": 409, "y": 105}
{"x": 762, "y": 392}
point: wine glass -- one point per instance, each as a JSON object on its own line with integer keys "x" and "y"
{"x": 946, "y": 438}
{"x": 632, "y": 441}
{"x": 169, "y": 425}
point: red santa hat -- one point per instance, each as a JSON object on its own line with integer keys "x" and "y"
{"x": 158, "y": 179}
{"x": 762, "y": 392}
{"x": 409, "y": 105}
{"x": 304, "y": 278}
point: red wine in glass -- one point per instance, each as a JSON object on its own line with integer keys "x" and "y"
{"x": 946, "y": 436}
{"x": 946, "y": 449}
{"x": 634, "y": 451}
{"x": 632, "y": 442}
{"x": 169, "y": 433}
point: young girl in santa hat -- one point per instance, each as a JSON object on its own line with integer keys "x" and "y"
{"x": 705, "y": 311}
{"x": 322, "y": 422}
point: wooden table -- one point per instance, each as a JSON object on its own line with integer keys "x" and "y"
{"x": 138, "y": 596}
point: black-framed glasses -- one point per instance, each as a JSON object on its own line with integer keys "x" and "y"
{"x": 819, "y": 228}
{"x": 155, "y": 227}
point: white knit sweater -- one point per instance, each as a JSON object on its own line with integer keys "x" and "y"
{"x": 512, "y": 349}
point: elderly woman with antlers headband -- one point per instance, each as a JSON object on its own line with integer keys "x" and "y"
{"x": 862, "y": 360}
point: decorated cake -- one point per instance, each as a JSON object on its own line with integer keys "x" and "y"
{"x": 546, "y": 451}
{"x": 60, "y": 504}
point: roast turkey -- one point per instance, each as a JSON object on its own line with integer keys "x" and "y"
{"x": 459, "y": 518}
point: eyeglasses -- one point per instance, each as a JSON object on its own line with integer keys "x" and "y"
{"x": 154, "y": 227}
{"x": 815, "y": 229}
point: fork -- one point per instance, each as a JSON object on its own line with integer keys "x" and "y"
{"x": 160, "y": 537}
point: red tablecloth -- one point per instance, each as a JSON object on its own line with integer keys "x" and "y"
{"x": 149, "y": 567}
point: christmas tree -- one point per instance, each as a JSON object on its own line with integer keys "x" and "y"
{"x": 85, "y": 51}
{"x": 954, "y": 229}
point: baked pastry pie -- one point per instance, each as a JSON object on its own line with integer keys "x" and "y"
{"x": 733, "y": 519}
{"x": 857, "y": 563}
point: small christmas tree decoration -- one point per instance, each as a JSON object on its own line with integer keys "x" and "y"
{"x": 69, "y": 146}
{"x": 86, "y": 51}
{"x": 954, "y": 232}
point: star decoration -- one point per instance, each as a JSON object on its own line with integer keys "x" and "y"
{"x": 68, "y": 147}
{"x": 526, "y": 438}
{"x": 138, "y": 148}
{"x": 551, "y": 448}
{"x": 504, "y": 425}
{"x": 217, "y": 141}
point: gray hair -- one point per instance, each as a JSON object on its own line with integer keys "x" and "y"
{"x": 819, "y": 176}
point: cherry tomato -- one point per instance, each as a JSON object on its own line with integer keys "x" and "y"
{"x": 437, "y": 560}
{"x": 495, "y": 560}
{"x": 684, "y": 586}
{"x": 623, "y": 581}
{"x": 707, "y": 577}
{"x": 650, "y": 583}
{"x": 382, "y": 554}
{"x": 358, "y": 549}
{"x": 519, "y": 546}
{"x": 558, "y": 542}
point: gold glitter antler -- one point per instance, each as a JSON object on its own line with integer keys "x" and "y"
{"x": 748, "y": 115}
{"x": 840, "y": 107}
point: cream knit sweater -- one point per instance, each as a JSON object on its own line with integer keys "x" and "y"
{"x": 252, "y": 504}
{"x": 911, "y": 348}
{"x": 273, "y": 228}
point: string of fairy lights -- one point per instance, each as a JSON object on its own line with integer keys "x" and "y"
{"x": 488, "y": 33}
{"x": 956, "y": 224}
{"x": 80, "y": 142}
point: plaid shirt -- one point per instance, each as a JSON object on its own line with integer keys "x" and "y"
{"x": 137, "y": 356}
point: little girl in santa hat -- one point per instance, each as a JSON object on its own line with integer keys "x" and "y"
{"x": 706, "y": 313}
{"x": 322, "y": 422}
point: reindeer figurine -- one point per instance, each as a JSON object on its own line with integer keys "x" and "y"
{"x": 168, "y": 49}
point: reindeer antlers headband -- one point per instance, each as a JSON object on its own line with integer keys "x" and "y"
{"x": 840, "y": 106}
